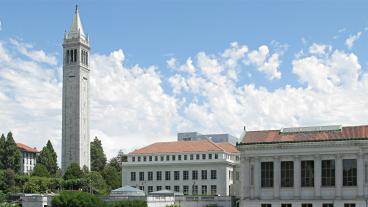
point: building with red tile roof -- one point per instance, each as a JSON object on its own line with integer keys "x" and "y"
{"x": 28, "y": 158}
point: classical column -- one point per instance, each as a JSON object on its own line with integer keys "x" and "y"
{"x": 360, "y": 174}
{"x": 338, "y": 177}
{"x": 257, "y": 178}
{"x": 276, "y": 178}
{"x": 297, "y": 174}
{"x": 242, "y": 177}
{"x": 246, "y": 186}
{"x": 317, "y": 176}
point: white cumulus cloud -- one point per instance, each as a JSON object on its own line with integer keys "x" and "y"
{"x": 351, "y": 39}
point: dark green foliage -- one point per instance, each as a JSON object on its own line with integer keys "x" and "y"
{"x": 98, "y": 157}
{"x": 9, "y": 176}
{"x": 37, "y": 185}
{"x": 12, "y": 154}
{"x": 2, "y": 151}
{"x": 48, "y": 158}
{"x": 111, "y": 176}
{"x": 117, "y": 161}
{"x": 73, "y": 184}
{"x": 2, "y": 197}
{"x": 128, "y": 203}
{"x": 73, "y": 172}
{"x": 76, "y": 199}
{"x": 40, "y": 170}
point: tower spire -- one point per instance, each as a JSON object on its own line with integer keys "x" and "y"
{"x": 77, "y": 23}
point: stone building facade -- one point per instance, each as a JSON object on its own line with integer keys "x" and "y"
{"x": 28, "y": 158}
{"x": 325, "y": 166}
{"x": 75, "y": 110}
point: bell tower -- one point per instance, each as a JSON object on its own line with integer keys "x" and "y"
{"x": 75, "y": 110}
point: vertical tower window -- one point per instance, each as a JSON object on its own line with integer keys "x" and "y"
{"x": 71, "y": 56}
{"x": 75, "y": 55}
{"x": 67, "y": 57}
{"x": 307, "y": 173}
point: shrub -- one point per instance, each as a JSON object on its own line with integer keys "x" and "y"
{"x": 128, "y": 203}
{"x": 76, "y": 199}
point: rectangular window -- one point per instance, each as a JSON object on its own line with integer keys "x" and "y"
{"x": 267, "y": 174}
{"x": 307, "y": 173}
{"x": 132, "y": 176}
{"x": 141, "y": 176}
{"x": 185, "y": 175}
{"x": 213, "y": 190}
{"x": 204, "y": 189}
{"x": 185, "y": 157}
{"x": 349, "y": 204}
{"x": 213, "y": 174}
{"x": 307, "y": 205}
{"x": 167, "y": 157}
{"x": 167, "y": 175}
{"x": 177, "y": 188}
{"x": 197, "y": 156}
{"x": 210, "y": 156}
{"x": 287, "y": 173}
{"x": 150, "y": 158}
{"x": 139, "y": 159}
{"x": 266, "y": 205}
{"x": 158, "y": 188}
{"x": 158, "y": 175}
{"x": 150, "y": 189}
{"x": 194, "y": 175}
{"x": 179, "y": 157}
{"x": 167, "y": 187}
{"x": 216, "y": 156}
{"x": 191, "y": 157}
{"x": 144, "y": 158}
{"x": 286, "y": 205}
{"x": 327, "y": 205}
{"x": 203, "y": 156}
{"x": 162, "y": 158}
{"x": 150, "y": 175}
{"x": 156, "y": 158}
{"x": 204, "y": 175}
{"x": 141, "y": 188}
{"x": 173, "y": 157}
{"x": 176, "y": 175}
{"x": 185, "y": 189}
{"x": 349, "y": 172}
{"x": 328, "y": 172}
{"x": 133, "y": 159}
{"x": 195, "y": 190}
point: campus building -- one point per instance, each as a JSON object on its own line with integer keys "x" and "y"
{"x": 200, "y": 167}
{"x": 324, "y": 166}
{"x": 28, "y": 158}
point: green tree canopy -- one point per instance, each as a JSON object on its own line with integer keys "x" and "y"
{"x": 98, "y": 157}
{"x": 2, "y": 152}
{"x": 40, "y": 170}
{"x": 76, "y": 199}
{"x": 117, "y": 161}
{"x": 48, "y": 158}
{"x": 94, "y": 183}
{"x": 12, "y": 154}
{"x": 111, "y": 176}
{"x": 73, "y": 172}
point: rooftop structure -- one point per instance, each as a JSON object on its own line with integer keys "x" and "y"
{"x": 192, "y": 136}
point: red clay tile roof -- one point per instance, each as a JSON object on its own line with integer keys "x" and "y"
{"x": 269, "y": 136}
{"x": 26, "y": 148}
{"x": 186, "y": 146}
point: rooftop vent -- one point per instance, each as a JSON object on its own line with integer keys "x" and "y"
{"x": 311, "y": 129}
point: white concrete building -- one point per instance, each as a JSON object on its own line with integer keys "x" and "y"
{"x": 75, "y": 118}
{"x": 325, "y": 166}
{"x": 28, "y": 158}
{"x": 191, "y": 167}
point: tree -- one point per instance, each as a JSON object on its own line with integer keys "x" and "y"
{"x": 98, "y": 157}
{"x": 40, "y": 170}
{"x": 93, "y": 182}
{"x": 76, "y": 199}
{"x": 111, "y": 176}
{"x": 2, "y": 152}
{"x": 73, "y": 172}
{"x": 9, "y": 180}
{"x": 12, "y": 154}
{"x": 128, "y": 203}
{"x": 117, "y": 161}
{"x": 48, "y": 158}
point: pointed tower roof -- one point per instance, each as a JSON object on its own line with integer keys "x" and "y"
{"x": 77, "y": 24}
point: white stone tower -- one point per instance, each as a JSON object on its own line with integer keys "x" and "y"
{"x": 75, "y": 129}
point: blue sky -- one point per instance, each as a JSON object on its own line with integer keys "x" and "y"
{"x": 293, "y": 66}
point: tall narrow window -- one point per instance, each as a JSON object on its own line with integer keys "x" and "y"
{"x": 307, "y": 173}
{"x": 71, "y": 56}
{"x": 328, "y": 172}
{"x": 141, "y": 176}
{"x": 287, "y": 174}
{"x": 86, "y": 58}
{"x": 349, "y": 172}
{"x": 132, "y": 176}
{"x": 67, "y": 57}
{"x": 267, "y": 174}
{"x": 75, "y": 55}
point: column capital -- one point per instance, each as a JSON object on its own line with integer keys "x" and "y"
{"x": 296, "y": 157}
{"x": 317, "y": 156}
{"x": 338, "y": 156}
